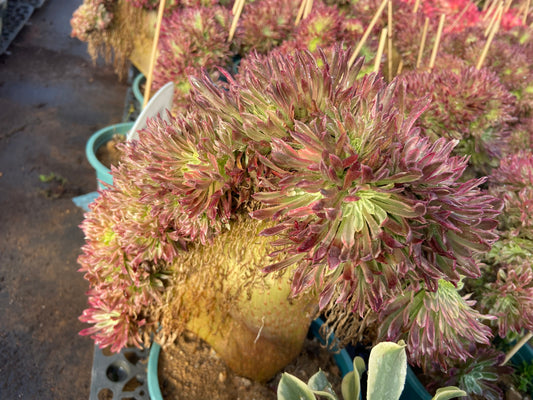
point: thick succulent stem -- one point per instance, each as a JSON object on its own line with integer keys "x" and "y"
{"x": 246, "y": 316}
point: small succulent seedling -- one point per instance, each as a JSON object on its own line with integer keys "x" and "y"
{"x": 387, "y": 369}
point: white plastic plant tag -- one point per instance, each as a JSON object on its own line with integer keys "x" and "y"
{"x": 158, "y": 104}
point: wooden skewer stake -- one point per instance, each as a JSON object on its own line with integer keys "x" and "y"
{"x": 238, "y": 6}
{"x": 400, "y": 68}
{"x": 489, "y": 39}
{"x": 486, "y": 5}
{"x": 507, "y": 5}
{"x": 517, "y": 347}
{"x": 524, "y": 18}
{"x": 301, "y": 10}
{"x": 492, "y": 7}
{"x": 437, "y": 42}
{"x": 493, "y": 20}
{"x": 389, "y": 43}
{"x": 381, "y": 46}
{"x": 465, "y": 9}
{"x": 153, "y": 56}
{"x": 417, "y": 5}
{"x": 308, "y": 8}
{"x": 422, "y": 43}
{"x": 367, "y": 32}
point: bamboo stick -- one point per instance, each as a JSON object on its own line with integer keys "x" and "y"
{"x": 422, "y": 43}
{"x": 389, "y": 43}
{"x": 526, "y": 11}
{"x": 417, "y": 5}
{"x": 507, "y": 6}
{"x": 308, "y": 8}
{"x": 490, "y": 9}
{"x": 464, "y": 10}
{"x": 517, "y": 347}
{"x": 489, "y": 40}
{"x": 236, "y": 17}
{"x": 493, "y": 20}
{"x": 400, "y": 68}
{"x": 153, "y": 56}
{"x": 437, "y": 42}
{"x": 367, "y": 32}
{"x": 301, "y": 10}
{"x": 381, "y": 46}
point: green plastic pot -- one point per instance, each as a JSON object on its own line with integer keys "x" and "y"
{"x": 342, "y": 359}
{"x": 414, "y": 390}
{"x": 136, "y": 87}
{"x": 99, "y": 138}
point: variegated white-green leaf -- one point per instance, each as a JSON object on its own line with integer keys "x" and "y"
{"x": 359, "y": 365}
{"x": 351, "y": 383}
{"x": 292, "y": 388}
{"x": 448, "y": 392}
{"x": 387, "y": 368}
{"x": 326, "y": 395}
{"x": 319, "y": 383}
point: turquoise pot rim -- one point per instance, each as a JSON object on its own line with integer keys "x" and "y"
{"x": 136, "y": 87}
{"x": 96, "y": 140}
{"x": 342, "y": 359}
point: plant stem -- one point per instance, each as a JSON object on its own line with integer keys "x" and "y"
{"x": 517, "y": 347}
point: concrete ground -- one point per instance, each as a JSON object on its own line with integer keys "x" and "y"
{"x": 52, "y": 98}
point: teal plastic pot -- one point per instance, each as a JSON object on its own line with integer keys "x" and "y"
{"x": 100, "y": 138}
{"x": 136, "y": 87}
{"x": 414, "y": 390}
{"x": 342, "y": 359}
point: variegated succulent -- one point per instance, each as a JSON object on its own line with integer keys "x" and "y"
{"x": 342, "y": 192}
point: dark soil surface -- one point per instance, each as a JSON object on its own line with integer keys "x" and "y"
{"x": 52, "y": 98}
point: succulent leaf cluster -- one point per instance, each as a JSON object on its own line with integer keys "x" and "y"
{"x": 479, "y": 375}
{"x": 191, "y": 39}
{"x": 91, "y": 17}
{"x": 266, "y": 24}
{"x": 438, "y": 326}
{"x": 508, "y": 295}
{"x": 469, "y": 105}
{"x": 323, "y": 28}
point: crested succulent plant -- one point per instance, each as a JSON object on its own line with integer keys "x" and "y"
{"x": 337, "y": 186}
{"x": 300, "y": 185}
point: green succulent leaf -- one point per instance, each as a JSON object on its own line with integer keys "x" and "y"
{"x": 351, "y": 383}
{"x": 448, "y": 392}
{"x": 292, "y": 388}
{"x": 319, "y": 383}
{"x": 387, "y": 369}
